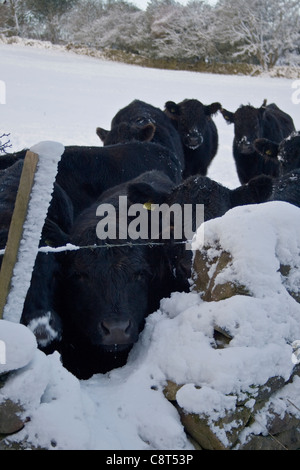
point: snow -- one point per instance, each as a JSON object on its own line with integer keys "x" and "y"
{"x": 63, "y": 97}
{"x": 20, "y": 346}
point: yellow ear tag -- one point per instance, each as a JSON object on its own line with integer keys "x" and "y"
{"x": 149, "y": 206}
{"x": 269, "y": 152}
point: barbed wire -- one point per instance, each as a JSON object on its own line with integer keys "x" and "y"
{"x": 69, "y": 247}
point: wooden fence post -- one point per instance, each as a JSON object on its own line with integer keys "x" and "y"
{"x": 31, "y": 207}
{"x": 16, "y": 226}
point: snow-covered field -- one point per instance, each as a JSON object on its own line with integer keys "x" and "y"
{"x": 63, "y": 97}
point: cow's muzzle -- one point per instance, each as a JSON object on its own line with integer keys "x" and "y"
{"x": 117, "y": 333}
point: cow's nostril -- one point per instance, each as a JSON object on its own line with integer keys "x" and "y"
{"x": 111, "y": 325}
{"x": 105, "y": 327}
{"x": 116, "y": 332}
{"x": 127, "y": 329}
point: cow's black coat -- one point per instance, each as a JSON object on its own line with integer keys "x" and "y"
{"x": 198, "y": 133}
{"x": 250, "y": 124}
{"x": 107, "y": 291}
{"x": 287, "y": 188}
{"x": 140, "y": 114}
{"x": 127, "y": 132}
{"x": 86, "y": 172}
{"x": 287, "y": 152}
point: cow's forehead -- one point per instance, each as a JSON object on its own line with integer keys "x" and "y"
{"x": 191, "y": 106}
{"x": 104, "y": 259}
{"x": 246, "y": 111}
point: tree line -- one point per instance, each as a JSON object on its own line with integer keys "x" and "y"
{"x": 261, "y": 33}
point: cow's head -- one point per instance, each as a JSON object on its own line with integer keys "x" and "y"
{"x": 247, "y": 126}
{"x": 111, "y": 283}
{"x": 190, "y": 118}
{"x": 127, "y": 132}
{"x": 287, "y": 151}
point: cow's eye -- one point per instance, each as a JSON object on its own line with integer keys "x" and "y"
{"x": 141, "y": 120}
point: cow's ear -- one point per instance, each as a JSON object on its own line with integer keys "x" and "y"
{"x": 213, "y": 108}
{"x": 228, "y": 116}
{"x": 53, "y": 235}
{"x": 146, "y": 133}
{"x": 264, "y": 105}
{"x": 261, "y": 188}
{"x": 262, "y": 109}
{"x": 102, "y": 133}
{"x": 266, "y": 147}
{"x": 147, "y": 194}
{"x": 172, "y": 110}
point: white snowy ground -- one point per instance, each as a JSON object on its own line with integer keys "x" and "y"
{"x": 62, "y": 97}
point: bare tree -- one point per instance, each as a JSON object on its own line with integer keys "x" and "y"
{"x": 4, "y": 143}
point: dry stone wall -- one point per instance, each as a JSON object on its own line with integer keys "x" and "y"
{"x": 282, "y": 431}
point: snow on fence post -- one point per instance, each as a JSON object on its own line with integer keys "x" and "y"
{"x": 32, "y": 202}
{"x": 16, "y": 226}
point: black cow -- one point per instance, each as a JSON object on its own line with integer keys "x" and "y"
{"x": 9, "y": 159}
{"x": 287, "y": 152}
{"x": 107, "y": 287}
{"x": 250, "y": 124}
{"x": 86, "y": 172}
{"x": 140, "y": 114}
{"x": 126, "y": 132}
{"x": 198, "y": 133}
{"x": 287, "y": 188}
{"x": 39, "y": 312}
{"x": 197, "y": 190}
{"x": 216, "y": 198}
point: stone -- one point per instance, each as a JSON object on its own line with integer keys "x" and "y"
{"x": 170, "y": 390}
{"x": 285, "y": 271}
{"x": 10, "y": 422}
{"x": 217, "y": 435}
{"x": 6, "y": 444}
{"x": 286, "y": 440}
{"x": 205, "y": 272}
{"x": 263, "y": 392}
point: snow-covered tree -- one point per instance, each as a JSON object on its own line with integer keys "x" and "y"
{"x": 115, "y": 25}
{"x": 261, "y": 30}
{"x": 12, "y": 17}
{"x": 180, "y": 32}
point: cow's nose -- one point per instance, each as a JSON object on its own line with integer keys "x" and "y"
{"x": 116, "y": 332}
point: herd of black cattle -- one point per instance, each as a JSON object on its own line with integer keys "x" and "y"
{"x": 91, "y": 304}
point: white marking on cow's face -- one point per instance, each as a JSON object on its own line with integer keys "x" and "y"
{"x": 43, "y": 331}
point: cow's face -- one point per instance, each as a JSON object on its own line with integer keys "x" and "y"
{"x": 106, "y": 295}
{"x": 190, "y": 118}
{"x": 247, "y": 126}
{"x": 289, "y": 152}
{"x": 127, "y": 132}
